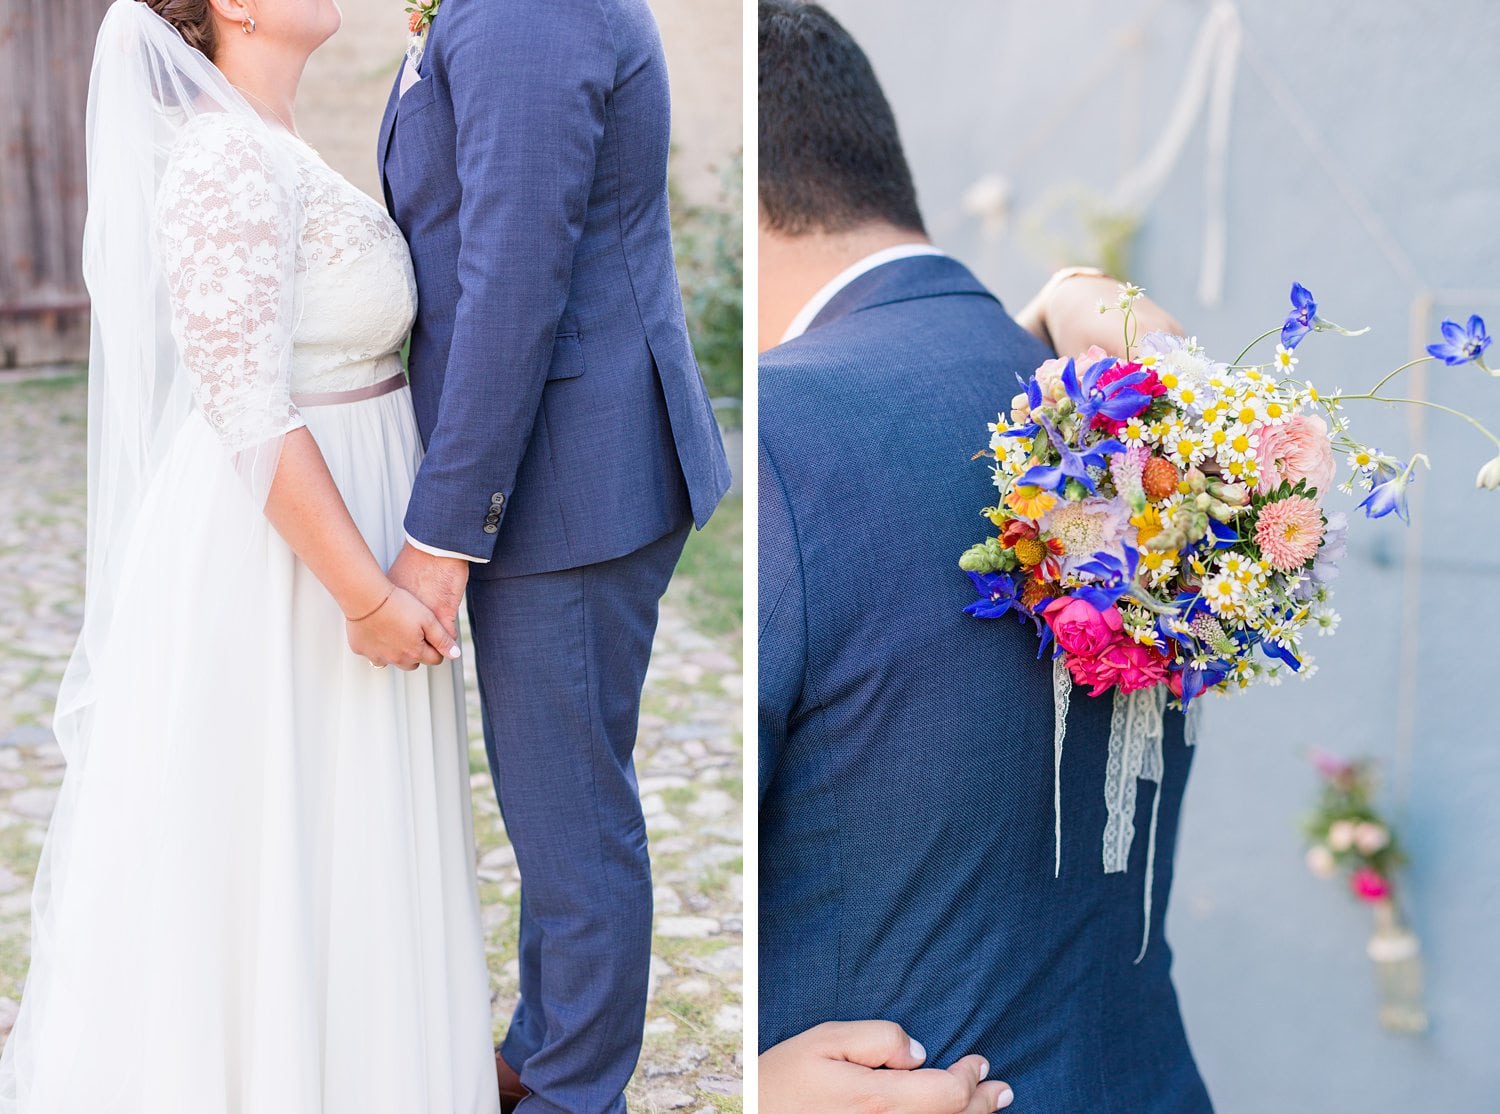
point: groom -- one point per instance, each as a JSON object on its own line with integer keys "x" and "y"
{"x": 570, "y": 445}
{"x": 909, "y": 914}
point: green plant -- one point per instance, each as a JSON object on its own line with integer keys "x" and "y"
{"x": 710, "y": 266}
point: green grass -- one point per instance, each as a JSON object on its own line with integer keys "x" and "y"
{"x": 711, "y": 569}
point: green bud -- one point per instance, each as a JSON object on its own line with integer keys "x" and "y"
{"x": 977, "y": 559}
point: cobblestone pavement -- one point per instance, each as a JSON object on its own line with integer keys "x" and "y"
{"x": 688, "y": 758}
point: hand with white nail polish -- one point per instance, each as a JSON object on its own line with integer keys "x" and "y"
{"x": 871, "y": 1067}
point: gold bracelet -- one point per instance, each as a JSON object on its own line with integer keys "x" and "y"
{"x": 374, "y": 609}
{"x": 1062, "y": 276}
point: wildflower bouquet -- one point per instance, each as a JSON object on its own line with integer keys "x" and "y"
{"x": 1161, "y": 518}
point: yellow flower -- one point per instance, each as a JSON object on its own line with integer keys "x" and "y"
{"x": 1030, "y": 502}
{"x": 1030, "y": 552}
{"x": 1147, "y": 525}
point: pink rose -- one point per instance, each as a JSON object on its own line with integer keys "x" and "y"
{"x": 1125, "y": 664}
{"x": 1369, "y": 884}
{"x": 1298, "y": 449}
{"x": 1080, "y": 628}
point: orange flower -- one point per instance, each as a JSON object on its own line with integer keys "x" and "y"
{"x": 1030, "y": 502}
{"x": 416, "y": 21}
{"x": 1034, "y": 591}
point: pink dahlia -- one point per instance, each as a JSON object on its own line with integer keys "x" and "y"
{"x": 1289, "y": 532}
{"x": 1151, "y": 386}
{"x": 1297, "y": 449}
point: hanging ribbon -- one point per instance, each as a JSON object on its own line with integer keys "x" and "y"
{"x": 1062, "y": 692}
{"x": 1136, "y": 731}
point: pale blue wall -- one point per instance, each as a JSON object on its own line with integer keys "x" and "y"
{"x": 1278, "y": 995}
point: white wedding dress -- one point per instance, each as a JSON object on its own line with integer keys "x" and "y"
{"x": 258, "y": 894}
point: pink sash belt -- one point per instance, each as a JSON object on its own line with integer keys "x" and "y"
{"x": 358, "y": 394}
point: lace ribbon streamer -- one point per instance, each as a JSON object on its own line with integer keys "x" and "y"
{"x": 1135, "y": 753}
{"x": 1062, "y": 692}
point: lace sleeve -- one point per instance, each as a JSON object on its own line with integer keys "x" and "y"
{"x": 226, "y": 232}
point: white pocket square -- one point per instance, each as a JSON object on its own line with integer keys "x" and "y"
{"x": 409, "y": 76}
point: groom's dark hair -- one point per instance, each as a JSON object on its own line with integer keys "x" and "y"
{"x": 830, "y": 155}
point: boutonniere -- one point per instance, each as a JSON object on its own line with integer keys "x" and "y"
{"x": 420, "y": 14}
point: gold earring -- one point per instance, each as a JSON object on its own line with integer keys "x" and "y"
{"x": 248, "y": 26}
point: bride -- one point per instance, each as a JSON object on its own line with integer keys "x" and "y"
{"x": 257, "y": 894}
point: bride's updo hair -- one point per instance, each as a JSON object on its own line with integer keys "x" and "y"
{"x": 192, "y": 18}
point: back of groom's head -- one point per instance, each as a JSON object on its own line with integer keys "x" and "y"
{"x": 830, "y": 155}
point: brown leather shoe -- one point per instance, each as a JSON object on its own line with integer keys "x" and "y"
{"x": 512, "y": 1091}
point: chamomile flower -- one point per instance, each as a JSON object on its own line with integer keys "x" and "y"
{"x": 1308, "y": 671}
{"x": 1277, "y": 409}
{"x": 1281, "y": 632}
{"x": 1185, "y": 447}
{"x": 1223, "y": 594}
{"x": 1189, "y": 396}
{"x": 1244, "y": 673}
{"x": 1237, "y": 566}
{"x": 1134, "y": 432}
{"x": 1238, "y": 444}
{"x": 1327, "y": 621}
{"x": 1215, "y": 412}
{"x": 1284, "y": 361}
{"x": 1158, "y": 567}
{"x": 1248, "y": 411}
{"x": 1364, "y": 459}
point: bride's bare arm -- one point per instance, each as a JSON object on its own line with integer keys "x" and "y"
{"x": 226, "y": 234}
{"x": 1065, "y": 315}
{"x": 385, "y": 623}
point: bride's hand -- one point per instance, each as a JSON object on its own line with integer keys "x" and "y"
{"x": 846, "y": 1067}
{"x": 1065, "y": 315}
{"x": 402, "y": 631}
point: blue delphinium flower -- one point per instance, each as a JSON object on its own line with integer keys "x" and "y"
{"x": 1118, "y": 400}
{"x": 1074, "y": 465}
{"x": 1300, "y": 321}
{"x": 1034, "y": 403}
{"x": 1461, "y": 344}
{"x": 1113, "y": 578}
{"x": 997, "y": 596}
{"x": 1388, "y": 486}
{"x": 1199, "y": 676}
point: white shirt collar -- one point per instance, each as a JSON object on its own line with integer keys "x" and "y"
{"x": 818, "y": 301}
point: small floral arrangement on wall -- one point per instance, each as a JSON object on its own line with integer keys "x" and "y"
{"x": 1348, "y": 836}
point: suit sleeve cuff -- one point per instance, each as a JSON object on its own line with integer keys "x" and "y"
{"x": 436, "y": 552}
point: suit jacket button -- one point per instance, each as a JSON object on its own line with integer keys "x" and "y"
{"x": 497, "y": 499}
{"x": 491, "y": 528}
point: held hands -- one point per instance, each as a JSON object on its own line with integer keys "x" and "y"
{"x": 871, "y": 1067}
{"x": 1065, "y": 314}
{"x": 439, "y": 582}
{"x": 403, "y": 632}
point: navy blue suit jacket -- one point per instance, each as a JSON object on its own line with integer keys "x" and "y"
{"x": 906, "y": 764}
{"x": 555, "y": 386}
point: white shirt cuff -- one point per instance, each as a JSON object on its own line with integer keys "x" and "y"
{"x": 444, "y": 552}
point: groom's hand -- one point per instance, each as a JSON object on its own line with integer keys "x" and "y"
{"x": 871, "y": 1067}
{"x": 439, "y": 582}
